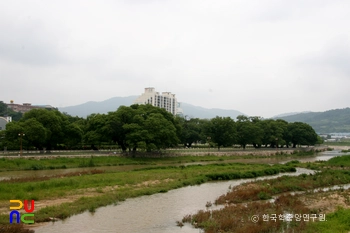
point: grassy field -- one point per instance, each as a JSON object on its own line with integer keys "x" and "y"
{"x": 73, "y": 193}
{"x": 98, "y": 161}
{"x": 58, "y": 162}
{"x": 90, "y": 191}
{"x": 340, "y": 143}
{"x": 337, "y": 221}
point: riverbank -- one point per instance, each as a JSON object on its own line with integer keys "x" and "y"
{"x": 39, "y": 162}
{"x": 298, "y": 197}
{"x": 90, "y": 191}
{"x": 61, "y": 197}
{"x": 163, "y": 154}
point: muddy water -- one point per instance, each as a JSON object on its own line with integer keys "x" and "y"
{"x": 157, "y": 213}
{"x": 322, "y": 156}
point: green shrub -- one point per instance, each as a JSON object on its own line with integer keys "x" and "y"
{"x": 264, "y": 196}
{"x": 36, "y": 167}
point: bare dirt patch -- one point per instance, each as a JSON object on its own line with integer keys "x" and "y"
{"x": 29, "y": 179}
{"x": 327, "y": 202}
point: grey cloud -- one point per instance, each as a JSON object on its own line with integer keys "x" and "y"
{"x": 334, "y": 57}
{"x": 245, "y": 51}
{"x": 276, "y": 10}
{"x": 29, "y": 43}
{"x": 338, "y": 57}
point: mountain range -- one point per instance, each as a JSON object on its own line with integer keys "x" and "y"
{"x": 289, "y": 114}
{"x": 331, "y": 121}
{"x": 112, "y": 104}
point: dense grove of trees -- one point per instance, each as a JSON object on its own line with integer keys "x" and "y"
{"x": 148, "y": 128}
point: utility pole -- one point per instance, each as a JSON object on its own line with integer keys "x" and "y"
{"x": 20, "y": 139}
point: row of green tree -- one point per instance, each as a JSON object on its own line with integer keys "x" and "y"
{"x": 224, "y": 131}
{"x": 148, "y": 128}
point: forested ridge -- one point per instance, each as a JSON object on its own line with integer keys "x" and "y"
{"x": 332, "y": 121}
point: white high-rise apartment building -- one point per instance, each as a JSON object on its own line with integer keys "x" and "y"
{"x": 165, "y": 100}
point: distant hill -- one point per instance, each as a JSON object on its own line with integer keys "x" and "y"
{"x": 332, "y": 121}
{"x": 199, "y": 112}
{"x": 288, "y": 114}
{"x": 113, "y": 104}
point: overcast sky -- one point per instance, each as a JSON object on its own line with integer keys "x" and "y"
{"x": 261, "y": 57}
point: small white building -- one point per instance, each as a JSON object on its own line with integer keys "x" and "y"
{"x": 4, "y": 121}
{"x": 165, "y": 100}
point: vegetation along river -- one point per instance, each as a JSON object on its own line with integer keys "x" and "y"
{"x": 158, "y": 212}
{"x": 326, "y": 155}
{"x": 155, "y": 213}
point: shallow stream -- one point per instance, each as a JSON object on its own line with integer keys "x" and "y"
{"x": 157, "y": 213}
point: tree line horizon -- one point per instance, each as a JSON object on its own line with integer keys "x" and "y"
{"x": 149, "y": 128}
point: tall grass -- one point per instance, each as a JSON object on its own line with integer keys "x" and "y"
{"x": 340, "y": 161}
{"x": 238, "y": 218}
{"x": 258, "y": 190}
{"x": 247, "y": 202}
{"x": 338, "y": 221}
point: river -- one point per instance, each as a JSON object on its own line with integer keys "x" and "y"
{"x": 157, "y": 213}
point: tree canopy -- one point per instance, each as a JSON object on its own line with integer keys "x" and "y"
{"x": 148, "y": 128}
{"x": 221, "y": 131}
{"x": 44, "y": 129}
